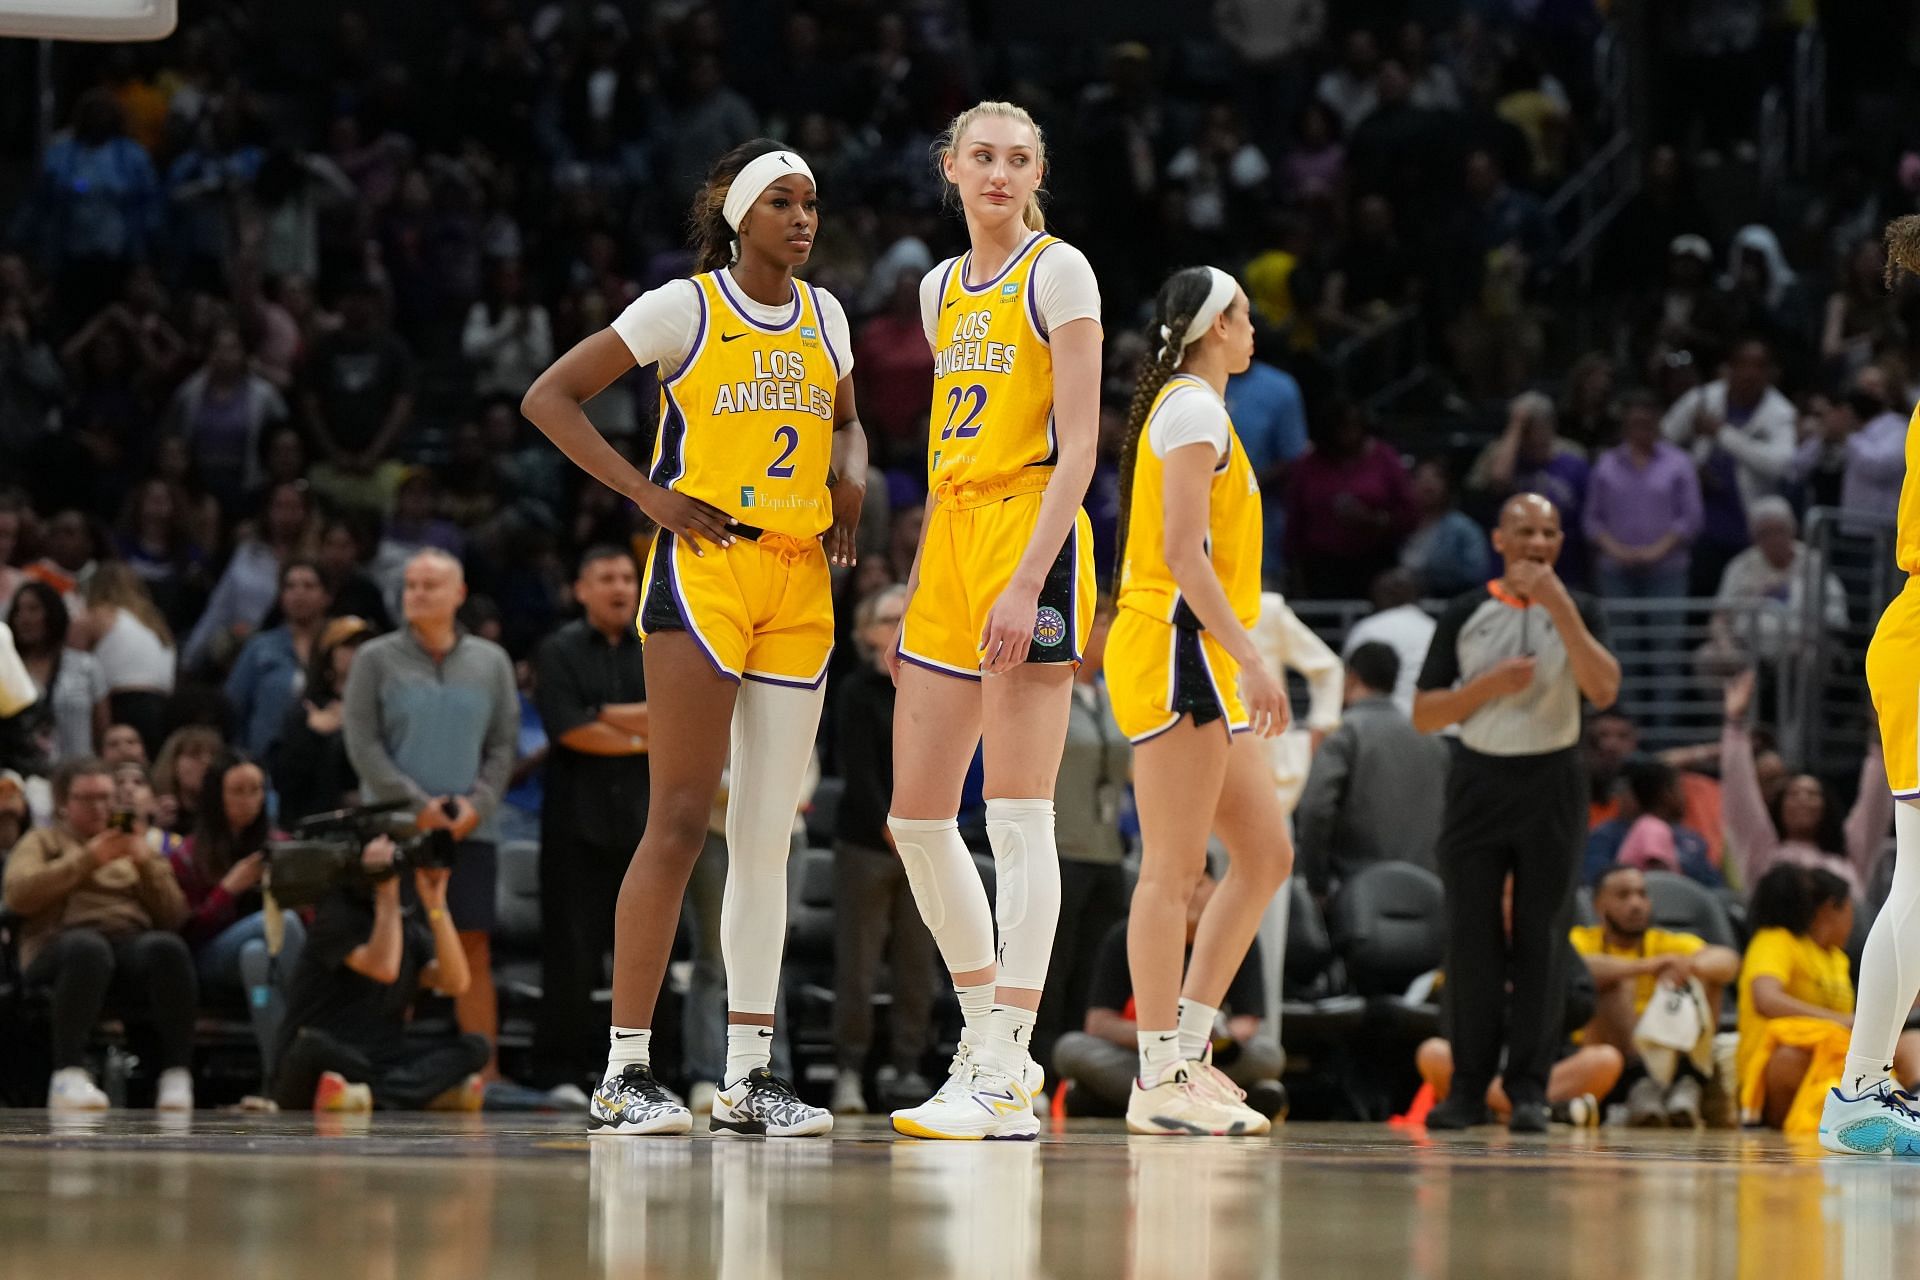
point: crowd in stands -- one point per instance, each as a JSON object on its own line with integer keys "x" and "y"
{"x": 270, "y": 295}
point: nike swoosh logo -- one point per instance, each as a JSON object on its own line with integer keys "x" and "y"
{"x": 951, "y": 302}
{"x": 729, "y": 337}
{"x": 628, "y": 1035}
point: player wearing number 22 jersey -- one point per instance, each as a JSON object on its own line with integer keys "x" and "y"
{"x": 990, "y": 452}
{"x": 746, "y": 424}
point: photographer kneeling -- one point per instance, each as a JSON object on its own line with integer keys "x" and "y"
{"x": 365, "y": 962}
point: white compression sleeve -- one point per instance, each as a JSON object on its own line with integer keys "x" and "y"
{"x": 947, "y": 889}
{"x": 1890, "y": 965}
{"x": 1026, "y": 866}
{"x": 773, "y": 732}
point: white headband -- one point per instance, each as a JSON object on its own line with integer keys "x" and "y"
{"x": 1219, "y": 298}
{"x": 760, "y": 173}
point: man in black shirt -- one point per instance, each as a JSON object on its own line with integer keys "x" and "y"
{"x": 1102, "y": 1060}
{"x": 1509, "y": 663}
{"x": 364, "y": 962}
{"x": 592, "y": 695}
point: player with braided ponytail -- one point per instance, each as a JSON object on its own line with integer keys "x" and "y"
{"x": 1867, "y": 1113}
{"x": 1186, "y": 678}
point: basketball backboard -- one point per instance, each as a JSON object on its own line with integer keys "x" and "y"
{"x": 89, "y": 19}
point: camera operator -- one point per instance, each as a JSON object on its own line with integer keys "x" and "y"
{"x": 365, "y": 961}
{"x": 99, "y": 909}
{"x": 431, "y": 715}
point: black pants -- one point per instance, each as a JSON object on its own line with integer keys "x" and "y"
{"x": 1523, "y": 816}
{"x": 875, "y": 919}
{"x": 1093, "y": 896}
{"x": 146, "y": 977}
{"x": 579, "y": 885}
{"x": 404, "y": 1079}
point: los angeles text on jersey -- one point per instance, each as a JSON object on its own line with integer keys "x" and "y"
{"x": 968, "y": 351}
{"x": 779, "y": 384}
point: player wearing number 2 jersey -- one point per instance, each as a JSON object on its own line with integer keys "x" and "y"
{"x": 756, "y": 423}
{"x": 1001, "y": 604}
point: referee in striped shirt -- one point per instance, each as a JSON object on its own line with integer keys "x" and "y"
{"x": 1510, "y": 663}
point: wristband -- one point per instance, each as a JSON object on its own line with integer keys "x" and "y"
{"x": 435, "y": 914}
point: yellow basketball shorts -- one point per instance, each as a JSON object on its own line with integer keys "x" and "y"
{"x": 761, "y": 609}
{"x": 1157, "y": 672}
{"x": 975, "y": 536}
{"x": 1893, "y": 678}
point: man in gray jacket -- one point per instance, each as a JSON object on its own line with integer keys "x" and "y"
{"x": 431, "y": 715}
{"x": 1377, "y": 787}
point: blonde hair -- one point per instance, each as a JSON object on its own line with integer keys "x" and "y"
{"x": 948, "y": 143}
{"x": 116, "y": 584}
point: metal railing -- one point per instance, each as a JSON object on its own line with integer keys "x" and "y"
{"x": 1384, "y": 361}
{"x": 1675, "y": 657}
{"x": 1809, "y": 98}
{"x": 1850, "y": 553}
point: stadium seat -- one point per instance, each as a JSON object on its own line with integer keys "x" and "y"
{"x": 1388, "y": 925}
{"x": 1681, "y": 904}
{"x": 516, "y": 929}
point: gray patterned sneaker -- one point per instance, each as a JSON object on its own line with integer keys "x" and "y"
{"x": 765, "y": 1104}
{"x": 634, "y": 1102}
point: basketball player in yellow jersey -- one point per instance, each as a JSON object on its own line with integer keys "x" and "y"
{"x": 1002, "y": 598}
{"x": 756, "y": 422}
{"x": 1867, "y": 1114}
{"x": 1187, "y": 679}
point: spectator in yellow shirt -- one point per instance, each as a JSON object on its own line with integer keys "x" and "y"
{"x": 1796, "y": 967}
{"x": 1630, "y": 960}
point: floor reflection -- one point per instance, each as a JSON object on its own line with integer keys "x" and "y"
{"x": 429, "y": 1198}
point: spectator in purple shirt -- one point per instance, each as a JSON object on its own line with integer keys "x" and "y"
{"x": 1876, "y": 461}
{"x": 1643, "y": 510}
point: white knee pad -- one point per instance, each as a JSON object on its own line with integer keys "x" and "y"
{"x": 773, "y": 733}
{"x": 947, "y": 889}
{"x": 1026, "y": 866}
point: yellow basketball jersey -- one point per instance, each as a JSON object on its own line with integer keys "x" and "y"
{"x": 992, "y": 374}
{"x": 746, "y": 422}
{"x": 1233, "y": 527}
{"x": 1906, "y": 547}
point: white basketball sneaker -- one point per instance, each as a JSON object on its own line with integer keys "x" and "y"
{"x": 72, "y": 1089}
{"x": 1186, "y": 1102}
{"x": 983, "y": 1097}
{"x": 1880, "y": 1120}
{"x": 1231, "y": 1095}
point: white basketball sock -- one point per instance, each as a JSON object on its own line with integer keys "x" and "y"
{"x": 628, "y": 1045}
{"x": 976, "y": 1002}
{"x": 1196, "y": 1028}
{"x": 748, "y": 1046}
{"x": 1159, "y": 1054}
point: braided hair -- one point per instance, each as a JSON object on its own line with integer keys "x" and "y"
{"x": 1174, "y": 308}
{"x": 1903, "y": 247}
{"x": 707, "y": 231}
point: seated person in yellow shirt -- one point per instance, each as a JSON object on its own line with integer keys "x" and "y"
{"x": 1796, "y": 967}
{"x": 1629, "y": 959}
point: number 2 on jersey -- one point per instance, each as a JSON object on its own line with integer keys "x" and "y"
{"x": 781, "y": 468}
{"x": 975, "y": 398}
